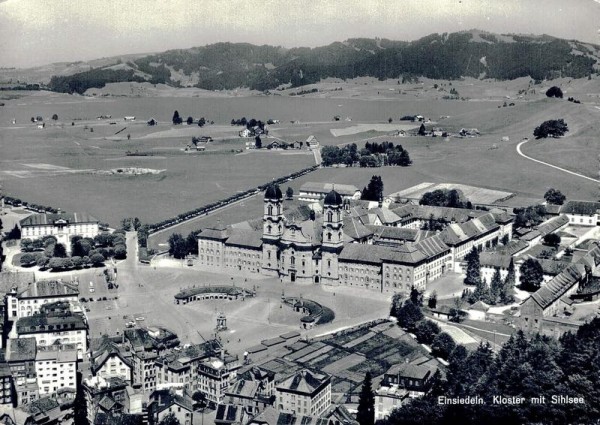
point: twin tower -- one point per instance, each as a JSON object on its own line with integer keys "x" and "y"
{"x": 294, "y": 251}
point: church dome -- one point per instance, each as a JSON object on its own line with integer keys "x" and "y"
{"x": 273, "y": 192}
{"x": 333, "y": 198}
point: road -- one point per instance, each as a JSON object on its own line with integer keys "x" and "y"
{"x": 550, "y": 165}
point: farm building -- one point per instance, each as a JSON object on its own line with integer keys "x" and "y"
{"x": 315, "y": 191}
{"x": 582, "y": 213}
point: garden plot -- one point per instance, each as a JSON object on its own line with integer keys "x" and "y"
{"x": 375, "y": 367}
{"x": 375, "y": 345}
{"x": 333, "y": 356}
{"x": 345, "y": 337}
{"x": 395, "y": 332}
{"x": 305, "y": 351}
{"x": 359, "y": 340}
{"x": 344, "y": 363}
{"x": 458, "y": 335}
{"x": 341, "y": 386}
{"x": 315, "y": 354}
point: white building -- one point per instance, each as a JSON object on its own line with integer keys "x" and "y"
{"x": 315, "y": 191}
{"x": 62, "y": 226}
{"x": 304, "y": 393}
{"x": 582, "y": 213}
{"x": 55, "y": 369}
{"x": 29, "y": 301}
{"x": 49, "y": 330}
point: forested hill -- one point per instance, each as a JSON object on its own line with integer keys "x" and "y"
{"x": 440, "y": 56}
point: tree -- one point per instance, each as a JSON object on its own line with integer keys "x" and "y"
{"x": 552, "y": 239}
{"x": 60, "y": 250}
{"x": 365, "y": 413}
{"x": 27, "y": 260}
{"x": 554, "y": 91}
{"x": 555, "y": 197}
{"x": 176, "y": 118}
{"x": 191, "y": 243}
{"x": 177, "y": 246}
{"x": 201, "y": 122}
{"x": 42, "y": 261}
{"x": 136, "y": 223}
{"x": 79, "y": 403}
{"x": 289, "y": 193}
{"x": 54, "y": 117}
{"x": 97, "y": 259}
{"x": 442, "y": 345}
{"x": 404, "y": 159}
{"x": 426, "y": 330}
{"x": 390, "y": 120}
{"x": 14, "y": 234}
{"x": 532, "y": 275}
{"x": 432, "y": 300}
{"x": 422, "y": 130}
{"x": 416, "y": 296}
{"x": 496, "y": 287}
{"x": 170, "y": 419}
{"x": 551, "y": 128}
{"x": 473, "y": 276}
{"x": 508, "y": 284}
{"x": 57, "y": 263}
{"x": 120, "y": 252}
{"x": 374, "y": 190}
{"x": 408, "y": 315}
{"x": 257, "y": 142}
{"x": 190, "y": 120}
{"x": 77, "y": 261}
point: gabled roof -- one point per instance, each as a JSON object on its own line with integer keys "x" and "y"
{"x": 409, "y": 370}
{"x": 432, "y": 246}
{"x": 229, "y": 413}
{"x": 217, "y": 234}
{"x": 50, "y": 323}
{"x": 494, "y": 259}
{"x": 557, "y": 287}
{"x": 580, "y": 207}
{"x": 245, "y": 238}
{"x": 355, "y": 229}
{"x": 325, "y": 188}
{"x": 48, "y": 219}
{"x": 304, "y": 381}
{"x": 480, "y": 306}
{"x": 21, "y": 349}
{"x": 244, "y": 388}
{"x": 163, "y": 399}
{"x": 48, "y": 288}
{"x": 552, "y": 225}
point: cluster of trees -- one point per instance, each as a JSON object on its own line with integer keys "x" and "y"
{"x": 532, "y": 275}
{"x": 551, "y": 128}
{"x": 410, "y": 317}
{"x": 14, "y": 234}
{"x": 177, "y": 119}
{"x": 554, "y": 91}
{"x": 180, "y": 247}
{"x": 151, "y": 228}
{"x": 374, "y": 190}
{"x": 97, "y": 78}
{"x": 230, "y": 65}
{"x": 529, "y": 216}
{"x": 498, "y": 291}
{"x": 445, "y": 198}
{"x": 48, "y": 253}
{"x": 555, "y": 197}
{"x": 249, "y": 124}
{"x": 372, "y": 155}
{"x": 131, "y": 223}
{"x": 534, "y": 367}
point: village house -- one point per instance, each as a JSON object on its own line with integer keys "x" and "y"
{"x": 109, "y": 360}
{"x": 30, "y": 300}
{"x": 582, "y": 213}
{"x": 105, "y": 396}
{"x": 6, "y": 385}
{"x": 56, "y": 370}
{"x": 20, "y": 356}
{"x": 63, "y": 226}
{"x": 304, "y": 393}
{"x": 165, "y": 402}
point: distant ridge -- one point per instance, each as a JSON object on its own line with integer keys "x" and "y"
{"x": 472, "y": 53}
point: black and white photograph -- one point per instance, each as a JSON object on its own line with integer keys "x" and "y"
{"x": 329, "y": 212}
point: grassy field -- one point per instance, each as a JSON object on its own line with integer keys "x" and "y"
{"x": 56, "y": 166}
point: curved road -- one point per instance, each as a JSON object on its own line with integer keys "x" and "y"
{"x": 553, "y": 166}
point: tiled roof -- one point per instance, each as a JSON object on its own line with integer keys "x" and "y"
{"x": 552, "y": 225}
{"x": 553, "y": 267}
{"x": 47, "y": 323}
{"x": 355, "y": 229}
{"x": 219, "y": 234}
{"x": 425, "y": 212}
{"x": 480, "y": 306}
{"x": 513, "y": 247}
{"x": 229, "y": 413}
{"x": 557, "y": 287}
{"x": 244, "y": 388}
{"x": 409, "y": 370}
{"x": 21, "y": 349}
{"x": 48, "y": 288}
{"x": 45, "y": 219}
{"x": 457, "y": 233}
{"x": 493, "y": 259}
{"x": 580, "y": 207}
{"x": 432, "y": 246}
{"x": 400, "y": 233}
{"x": 163, "y": 399}
{"x": 245, "y": 238}
{"x": 325, "y": 188}
{"x": 304, "y": 381}
{"x": 386, "y": 215}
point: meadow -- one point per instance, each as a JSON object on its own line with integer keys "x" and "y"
{"x": 56, "y": 166}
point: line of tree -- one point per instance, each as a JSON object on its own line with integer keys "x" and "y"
{"x": 17, "y": 202}
{"x": 152, "y": 228}
{"x": 445, "y": 198}
{"x": 94, "y": 78}
{"x": 529, "y": 216}
{"x": 538, "y": 366}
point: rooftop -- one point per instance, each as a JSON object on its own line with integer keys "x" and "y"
{"x": 46, "y": 219}
{"x": 48, "y": 288}
{"x": 304, "y": 381}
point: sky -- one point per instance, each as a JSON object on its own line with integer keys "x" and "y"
{"x": 36, "y": 32}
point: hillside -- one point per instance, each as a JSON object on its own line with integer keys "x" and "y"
{"x": 438, "y": 56}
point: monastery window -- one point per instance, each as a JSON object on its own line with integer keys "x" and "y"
{"x": 328, "y": 263}
{"x": 293, "y": 261}
{"x": 270, "y": 210}
{"x": 329, "y": 236}
{"x": 269, "y": 228}
{"x": 329, "y": 216}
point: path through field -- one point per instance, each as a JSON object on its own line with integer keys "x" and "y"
{"x": 550, "y": 165}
